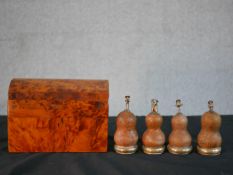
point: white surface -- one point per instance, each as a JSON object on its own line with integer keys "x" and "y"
{"x": 163, "y": 49}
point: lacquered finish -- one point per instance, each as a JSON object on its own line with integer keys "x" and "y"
{"x": 209, "y": 139}
{"x": 153, "y": 138}
{"x": 57, "y": 115}
{"x": 126, "y": 135}
{"x": 180, "y": 141}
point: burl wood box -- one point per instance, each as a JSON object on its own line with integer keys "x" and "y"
{"x": 46, "y": 115}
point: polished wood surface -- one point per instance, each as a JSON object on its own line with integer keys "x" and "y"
{"x": 153, "y": 136}
{"x": 126, "y": 134}
{"x": 209, "y": 136}
{"x": 57, "y": 115}
{"x": 180, "y": 140}
{"x": 180, "y": 137}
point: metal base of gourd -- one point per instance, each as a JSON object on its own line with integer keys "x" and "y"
{"x": 125, "y": 149}
{"x": 209, "y": 151}
{"x": 153, "y": 150}
{"x": 179, "y": 150}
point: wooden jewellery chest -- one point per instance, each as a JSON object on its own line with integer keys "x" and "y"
{"x": 49, "y": 115}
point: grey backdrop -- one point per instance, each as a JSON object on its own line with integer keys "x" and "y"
{"x": 166, "y": 49}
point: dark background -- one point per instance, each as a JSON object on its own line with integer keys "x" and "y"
{"x": 115, "y": 164}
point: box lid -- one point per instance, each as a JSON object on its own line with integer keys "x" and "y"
{"x": 58, "y": 89}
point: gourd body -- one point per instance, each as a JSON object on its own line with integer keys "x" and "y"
{"x": 180, "y": 136}
{"x": 126, "y": 134}
{"x": 209, "y": 136}
{"x": 153, "y": 136}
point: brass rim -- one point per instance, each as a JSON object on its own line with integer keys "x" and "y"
{"x": 153, "y": 150}
{"x": 125, "y": 149}
{"x": 179, "y": 150}
{"x": 209, "y": 151}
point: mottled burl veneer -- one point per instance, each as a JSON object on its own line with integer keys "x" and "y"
{"x": 58, "y": 115}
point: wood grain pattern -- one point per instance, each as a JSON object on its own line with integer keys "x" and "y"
{"x": 153, "y": 136}
{"x": 126, "y": 133}
{"x": 209, "y": 136}
{"x": 180, "y": 136}
{"x": 58, "y": 115}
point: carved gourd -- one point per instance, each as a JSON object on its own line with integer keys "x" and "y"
{"x": 126, "y": 135}
{"x": 209, "y": 139}
{"x": 180, "y": 141}
{"x": 153, "y": 138}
